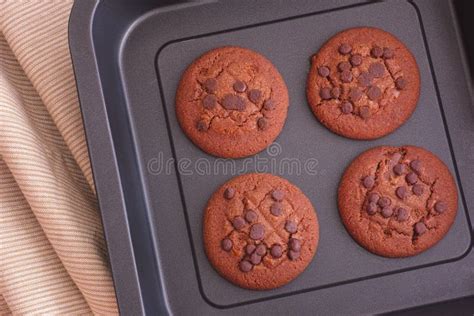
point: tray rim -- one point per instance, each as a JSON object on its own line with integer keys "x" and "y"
{"x": 89, "y": 88}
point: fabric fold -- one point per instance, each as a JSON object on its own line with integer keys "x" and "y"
{"x": 53, "y": 256}
{"x": 33, "y": 279}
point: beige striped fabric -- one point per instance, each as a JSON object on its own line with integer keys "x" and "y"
{"x": 53, "y": 257}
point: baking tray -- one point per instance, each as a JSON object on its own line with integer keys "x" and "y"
{"x": 153, "y": 183}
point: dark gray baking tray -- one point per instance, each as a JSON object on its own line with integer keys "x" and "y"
{"x": 153, "y": 183}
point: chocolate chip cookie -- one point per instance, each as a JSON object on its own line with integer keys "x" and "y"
{"x": 232, "y": 102}
{"x": 397, "y": 201}
{"x": 260, "y": 231}
{"x": 363, "y": 83}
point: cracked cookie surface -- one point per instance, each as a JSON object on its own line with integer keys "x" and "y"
{"x": 232, "y": 102}
{"x": 363, "y": 83}
{"x": 397, "y": 201}
{"x": 260, "y": 231}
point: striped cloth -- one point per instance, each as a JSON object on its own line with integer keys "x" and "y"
{"x": 53, "y": 257}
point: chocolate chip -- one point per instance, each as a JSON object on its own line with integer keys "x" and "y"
{"x": 347, "y": 107}
{"x": 345, "y": 49}
{"x": 376, "y": 52}
{"x": 202, "y": 126}
{"x": 420, "y": 228}
{"x": 387, "y": 53}
{"x": 261, "y": 250}
{"x": 374, "y": 93}
{"x": 210, "y": 85}
{"x": 346, "y": 76}
{"x": 293, "y": 255}
{"x": 249, "y": 249}
{"x": 364, "y": 112}
{"x": 278, "y": 195}
{"x": 356, "y": 60}
{"x": 255, "y": 258}
{"x": 233, "y": 102}
{"x": 368, "y": 182}
{"x": 276, "y": 209}
{"x": 255, "y": 95}
{"x": 402, "y": 214}
{"x": 245, "y": 266}
{"x": 411, "y": 178}
{"x": 371, "y": 208}
{"x": 239, "y": 86}
{"x": 440, "y": 207}
{"x": 399, "y": 169}
{"x": 257, "y": 231}
{"x": 290, "y": 226}
{"x": 355, "y": 94}
{"x": 269, "y": 105}
{"x": 365, "y": 79}
{"x": 384, "y": 202}
{"x": 262, "y": 123}
{"x": 401, "y": 192}
{"x": 276, "y": 251}
{"x": 344, "y": 66}
{"x": 238, "y": 222}
{"x": 323, "y": 71}
{"x": 400, "y": 83}
{"x": 250, "y": 216}
{"x": 209, "y": 102}
{"x": 418, "y": 189}
{"x": 387, "y": 211}
{"x": 395, "y": 157}
{"x": 325, "y": 93}
{"x": 295, "y": 244}
{"x": 226, "y": 244}
{"x": 377, "y": 70}
{"x": 374, "y": 197}
{"x": 416, "y": 165}
{"x": 335, "y": 92}
{"x": 229, "y": 193}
